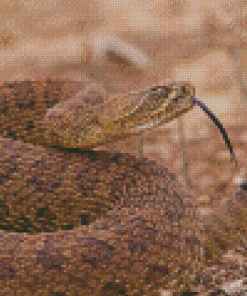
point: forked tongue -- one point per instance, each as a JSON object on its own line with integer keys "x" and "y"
{"x": 220, "y": 126}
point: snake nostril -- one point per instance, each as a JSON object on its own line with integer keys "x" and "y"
{"x": 183, "y": 89}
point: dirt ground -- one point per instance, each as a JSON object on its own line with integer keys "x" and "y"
{"x": 130, "y": 44}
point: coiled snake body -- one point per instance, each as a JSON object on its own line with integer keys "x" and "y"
{"x": 83, "y": 222}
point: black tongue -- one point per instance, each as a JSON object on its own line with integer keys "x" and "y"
{"x": 216, "y": 122}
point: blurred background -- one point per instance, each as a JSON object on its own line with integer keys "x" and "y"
{"x": 132, "y": 44}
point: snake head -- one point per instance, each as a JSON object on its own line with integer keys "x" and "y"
{"x": 155, "y": 106}
{"x": 78, "y": 122}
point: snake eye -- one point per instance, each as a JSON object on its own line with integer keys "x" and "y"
{"x": 157, "y": 89}
{"x": 187, "y": 89}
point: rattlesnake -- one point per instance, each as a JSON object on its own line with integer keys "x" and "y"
{"x": 86, "y": 222}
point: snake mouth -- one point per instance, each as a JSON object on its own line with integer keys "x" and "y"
{"x": 176, "y": 114}
{"x": 171, "y": 112}
{"x": 179, "y": 105}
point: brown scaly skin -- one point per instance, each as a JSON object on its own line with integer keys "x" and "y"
{"x": 140, "y": 230}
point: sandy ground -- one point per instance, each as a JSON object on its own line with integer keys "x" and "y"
{"x": 131, "y": 44}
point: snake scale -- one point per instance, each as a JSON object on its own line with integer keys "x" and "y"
{"x": 80, "y": 222}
